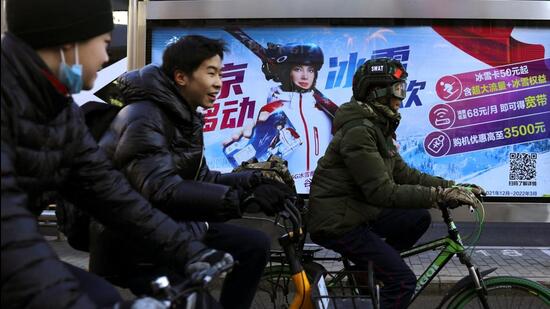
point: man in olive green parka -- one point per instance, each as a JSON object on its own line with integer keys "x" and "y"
{"x": 363, "y": 192}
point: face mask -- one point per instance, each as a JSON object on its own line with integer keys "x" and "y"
{"x": 71, "y": 77}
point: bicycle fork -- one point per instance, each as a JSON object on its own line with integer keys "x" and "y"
{"x": 302, "y": 299}
{"x": 477, "y": 279}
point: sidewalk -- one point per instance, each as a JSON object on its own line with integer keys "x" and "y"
{"x": 528, "y": 262}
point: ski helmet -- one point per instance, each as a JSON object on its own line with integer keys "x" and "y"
{"x": 307, "y": 54}
{"x": 379, "y": 78}
{"x": 283, "y": 57}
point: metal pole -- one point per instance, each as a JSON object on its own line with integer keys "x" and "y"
{"x": 4, "y": 25}
{"x": 131, "y": 39}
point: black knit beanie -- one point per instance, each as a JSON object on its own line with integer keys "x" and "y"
{"x": 46, "y": 23}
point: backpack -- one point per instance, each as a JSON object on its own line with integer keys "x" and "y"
{"x": 274, "y": 168}
{"x": 73, "y": 222}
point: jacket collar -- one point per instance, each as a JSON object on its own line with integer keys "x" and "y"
{"x": 151, "y": 84}
{"x": 31, "y": 74}
{"x": 361, "y": 110}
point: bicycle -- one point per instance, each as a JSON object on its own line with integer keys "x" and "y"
{"x": 474, "y": 290}
{"x": 294, "y": 264}
{"x": 285, "y": 265}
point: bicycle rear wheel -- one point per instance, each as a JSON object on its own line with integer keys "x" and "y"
{"x": 504, "y": 292}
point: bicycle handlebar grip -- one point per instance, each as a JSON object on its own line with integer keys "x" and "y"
{"x": 451, "y": 205}
{"x": 454, "y": 197}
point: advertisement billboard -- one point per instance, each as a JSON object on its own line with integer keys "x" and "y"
{"x": 476, "y": 108}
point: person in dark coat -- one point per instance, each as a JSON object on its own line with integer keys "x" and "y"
{"x": 156, "y": 140}
{"x": 365, "y": 202}
{"x": 53, "y": 49}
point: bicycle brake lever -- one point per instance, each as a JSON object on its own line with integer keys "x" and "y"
{"x": 284, "y": 214}
{"x": 228, "y": 267}
{"x": 290, "y": 205}
{"x": 215, "y": 272}
{"x": 294, "y": 217}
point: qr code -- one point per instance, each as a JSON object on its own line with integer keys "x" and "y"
{"x": 523, "y": 166}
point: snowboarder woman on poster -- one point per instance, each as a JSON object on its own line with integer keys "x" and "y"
{"x": 296, "y": 67}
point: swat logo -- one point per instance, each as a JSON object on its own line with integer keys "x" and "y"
{"x": 377, "y": 69}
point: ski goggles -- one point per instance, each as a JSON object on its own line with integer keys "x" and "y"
{"x": 399, "y": 90}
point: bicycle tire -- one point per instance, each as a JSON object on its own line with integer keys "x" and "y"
{"x": 504, "y": 292}
{"x": 274, "y": 289}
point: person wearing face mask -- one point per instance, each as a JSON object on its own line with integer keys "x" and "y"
{"x": 51, "y": 50}
{"x": 365, "y": 202}
{"x": 296, "y": 67}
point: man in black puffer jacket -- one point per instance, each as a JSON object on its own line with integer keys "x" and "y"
{"x": 51, "y": 50}
{"x": 156, "y": 140}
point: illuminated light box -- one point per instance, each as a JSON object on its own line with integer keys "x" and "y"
{"x": 476, "y": 110}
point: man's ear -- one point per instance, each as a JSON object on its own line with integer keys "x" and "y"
{"x": 68, "y": 52}
{"x": 67, "y": 47}
{"x": 180, "y": 78}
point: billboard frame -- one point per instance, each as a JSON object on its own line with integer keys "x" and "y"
{"x": 395, "y": 12}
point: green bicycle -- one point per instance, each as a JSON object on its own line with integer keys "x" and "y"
{"x": 473, "y": 291}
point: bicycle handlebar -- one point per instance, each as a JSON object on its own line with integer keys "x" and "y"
{"x": 444, "y": 206}
{"x": 451, "y": 205}
{"x": 204, "y": 277}
{"x": 171, "y": 296}
{"x": 293, "y": 215}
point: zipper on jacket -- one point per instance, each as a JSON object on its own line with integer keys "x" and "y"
{"x": 197, "y": 176}
{"x": 200, "y": 165}
{"x": 307, "y": 134}
{"x": 316, "y": 140}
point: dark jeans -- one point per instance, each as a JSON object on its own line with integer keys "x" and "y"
{"x": 99, "y": 290}
{"x": 401, "y": 228}
{"x": 251, "y": 249}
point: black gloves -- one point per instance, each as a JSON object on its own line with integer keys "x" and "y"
{"x": 475, "y": 189}
{"x": 245, "y": 179}
{"x": 269, "y": 196}
{"x": 207, "y": 264}
{"x": 454, "y": 197}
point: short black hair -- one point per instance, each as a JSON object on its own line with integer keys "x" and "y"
{"x": 188, "y": 53}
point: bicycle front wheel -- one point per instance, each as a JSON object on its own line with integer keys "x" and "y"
{"x": 274, "y": 289}
{"x": 504, "y": 292}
